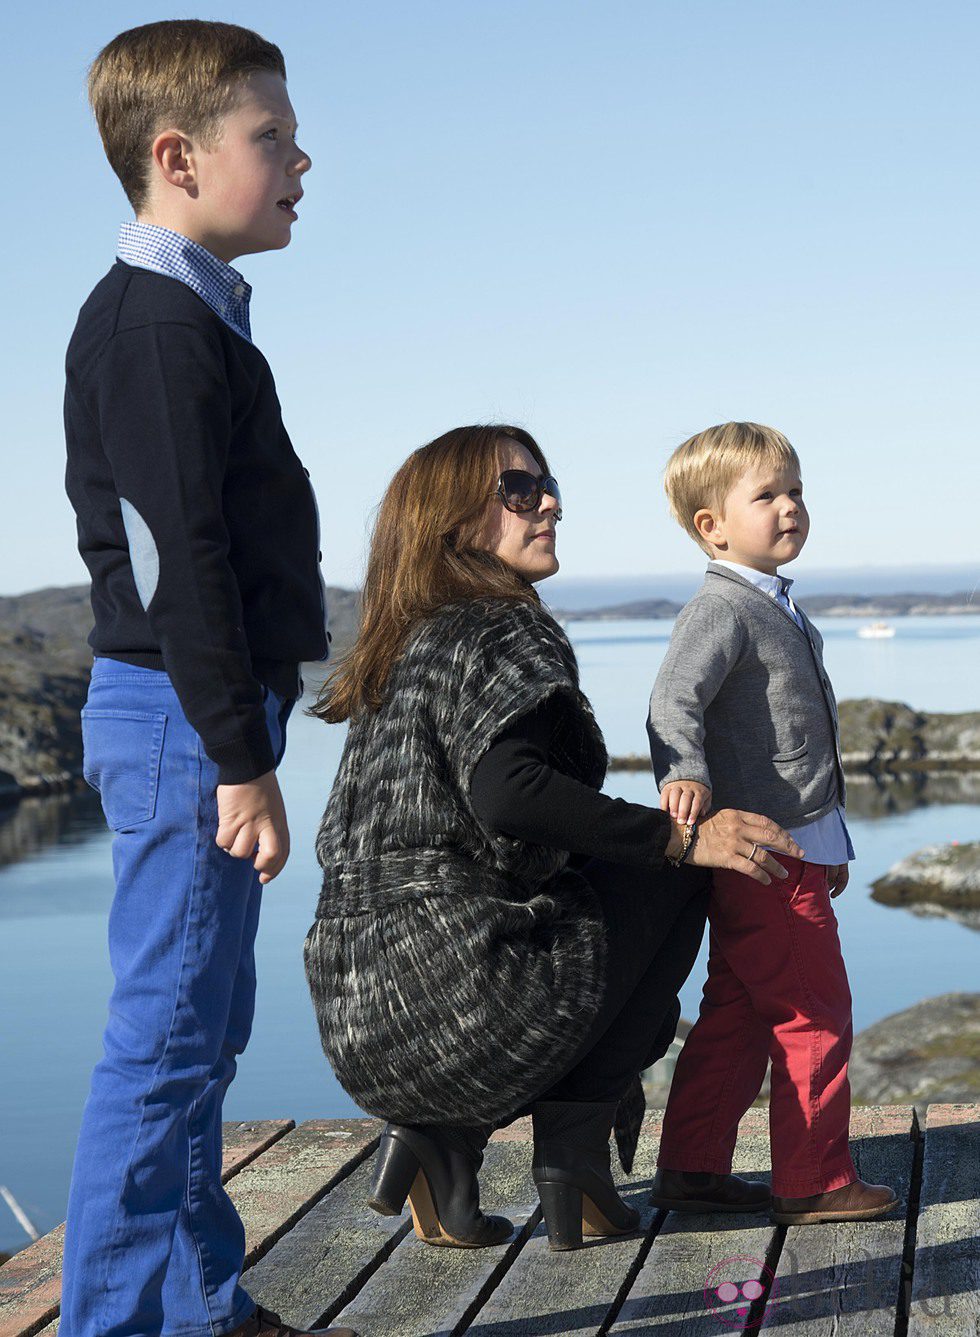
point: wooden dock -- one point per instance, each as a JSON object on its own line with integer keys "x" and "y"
{"x": 317, "y": 1255}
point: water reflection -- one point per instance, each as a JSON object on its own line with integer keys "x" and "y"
{"x": 870, "y": 796}
{"x": 926, "y": 910}
{"x": 33, "y": 824}
{"x": 74, "y": 818}
{"x": 888, "y": 796}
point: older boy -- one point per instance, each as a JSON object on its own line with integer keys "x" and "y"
{"x": 743, "y": 715}
{"x": 199, "y": 527}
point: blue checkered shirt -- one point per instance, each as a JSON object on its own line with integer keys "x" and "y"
{"x": 147, "y": 246}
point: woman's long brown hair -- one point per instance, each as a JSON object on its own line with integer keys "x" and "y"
{"x": 423, "y": 555}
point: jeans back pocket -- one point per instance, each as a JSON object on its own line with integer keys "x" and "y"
{"x": 121, "y": 761}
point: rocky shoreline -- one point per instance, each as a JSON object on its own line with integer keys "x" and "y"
{"x": 926, "y": 1054}
{"x": 45, "y": 662}
{"x": 886, "y": 739}
{"x": 44, "y": 668}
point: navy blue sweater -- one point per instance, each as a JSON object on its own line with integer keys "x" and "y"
{"x": 196, "y": 520}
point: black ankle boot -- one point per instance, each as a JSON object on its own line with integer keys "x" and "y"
{"x": 571, "y": 1170}
{"x": 435, "y": 1167}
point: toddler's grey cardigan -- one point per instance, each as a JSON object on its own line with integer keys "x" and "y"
{"x": 454, "y": 971}
{"x": 743, "y": 704}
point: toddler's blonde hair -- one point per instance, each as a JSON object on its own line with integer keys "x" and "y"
{"x": 703, "y": 470}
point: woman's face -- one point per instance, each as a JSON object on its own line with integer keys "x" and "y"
{"x": 526, "y": 541}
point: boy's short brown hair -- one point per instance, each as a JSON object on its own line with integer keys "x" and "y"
{"x": 183, "y": 71}
{"x": 704, "y": 469}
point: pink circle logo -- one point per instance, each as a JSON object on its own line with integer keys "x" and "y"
{"x": 733, "y": 1286}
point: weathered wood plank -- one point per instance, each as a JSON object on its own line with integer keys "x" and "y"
{"x": 571, "y": 1292}
{"x": 946, "y": 1275}
{"x": 674, "y": 1292}
{"x": 310, "y": 1271}
{"x": 306, "y": 1191}
{"x": 425, "y": 1290}
{"x": 844, "y": 1278}
{"x": 30, "y": 1283}
{"x": 242, "y": 1143}
{"x": 30, "y": 1286}
{"x": 285, "y": 1182}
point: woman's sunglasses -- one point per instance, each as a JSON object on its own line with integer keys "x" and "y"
{"x": 521, "y": 491}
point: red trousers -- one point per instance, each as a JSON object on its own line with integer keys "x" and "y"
{"x": 776, "y": 989}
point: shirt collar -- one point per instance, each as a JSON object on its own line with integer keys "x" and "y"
{"x": 774, "y": 586}
{"x": 146, "y": 246}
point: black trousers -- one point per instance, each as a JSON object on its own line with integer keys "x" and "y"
{"x": 654, "y": 926}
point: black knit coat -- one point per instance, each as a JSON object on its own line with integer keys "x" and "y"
{"x": 454, "y": 971}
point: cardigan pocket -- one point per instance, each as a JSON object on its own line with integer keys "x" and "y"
{"x": 794, "y": 755}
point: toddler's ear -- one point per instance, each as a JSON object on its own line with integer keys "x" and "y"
{"x": 708, "y": 525}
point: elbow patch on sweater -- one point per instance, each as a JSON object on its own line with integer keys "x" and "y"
{"x": 143, "y": 554}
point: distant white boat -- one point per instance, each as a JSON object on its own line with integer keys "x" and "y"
{"x": 876, "y": 631}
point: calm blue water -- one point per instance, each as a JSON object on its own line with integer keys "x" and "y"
{"x": 54, "y": 974}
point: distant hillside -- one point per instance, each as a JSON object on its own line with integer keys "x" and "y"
{"x": 827, "y": 605}
{"x": 57, "y": 620}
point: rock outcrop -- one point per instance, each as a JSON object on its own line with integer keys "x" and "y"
{"x": 928, "y": 1053}
{"x": 937, "y": 881}
{"x": 887, "y": 739}
{"x": 44, "y": 671}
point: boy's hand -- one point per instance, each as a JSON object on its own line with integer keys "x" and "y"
{"x": 253, "y": 815}
{"x": 685, "y": 800}
{"x": 838, "y": 878}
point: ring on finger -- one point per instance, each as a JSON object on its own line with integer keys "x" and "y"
{"x": 755, "y": 846}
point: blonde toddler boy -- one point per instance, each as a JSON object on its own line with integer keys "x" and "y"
{"x": 743, "y": 716}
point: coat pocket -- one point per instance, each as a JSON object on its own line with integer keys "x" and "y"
{"x": 122, "y": 751}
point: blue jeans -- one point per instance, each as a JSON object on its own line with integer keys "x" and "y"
{"x": 153, "y": 1243}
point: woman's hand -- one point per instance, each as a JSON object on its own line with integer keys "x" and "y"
{"x": 736, "y": 840}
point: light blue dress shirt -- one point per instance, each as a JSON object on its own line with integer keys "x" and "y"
{"x": 146, "y": 246}
{"x": 826, "y": 840}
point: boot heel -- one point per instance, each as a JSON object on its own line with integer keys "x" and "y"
{"x": 395, "y": 1169}
{"x": 562, "y": 1208}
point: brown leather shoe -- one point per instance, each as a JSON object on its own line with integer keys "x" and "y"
{"x": 264, "y": 1323}
{"x": 853, "y": 1202}
{"x": 681, "y": 1191}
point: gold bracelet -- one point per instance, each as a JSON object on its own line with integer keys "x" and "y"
{"x": 690, "y": 834}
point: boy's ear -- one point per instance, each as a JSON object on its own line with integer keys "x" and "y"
{"x": 172, "y": 155}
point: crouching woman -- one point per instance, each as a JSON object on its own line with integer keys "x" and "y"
{"x": 493, "y": 936}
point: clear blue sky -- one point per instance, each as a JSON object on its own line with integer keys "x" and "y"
{"x": 614, "y": 223}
